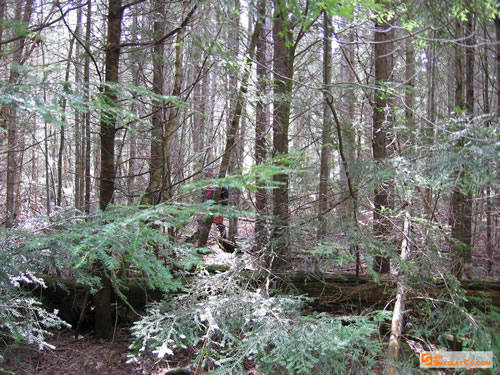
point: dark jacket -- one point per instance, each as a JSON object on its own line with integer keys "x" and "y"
{"x": 209, "y": 193}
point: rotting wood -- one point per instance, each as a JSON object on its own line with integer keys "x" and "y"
{"x": 325, "y": 288}
{"x": 399, "y": 305}
{"x": 328, "y": 291}
{"x": 338, "y": 289}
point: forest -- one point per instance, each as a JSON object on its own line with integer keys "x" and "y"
{"x": 248, "y": 187}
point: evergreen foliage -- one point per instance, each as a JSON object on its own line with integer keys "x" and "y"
{"x": 22, "y": 318}
{"x": 130, "y": 241}
{"x": 229, "y": 324}
{"x": 226, "y": 321}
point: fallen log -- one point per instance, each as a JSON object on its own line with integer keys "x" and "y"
{"x": 399, "y": 306}
{"x": 337, "y": 289}
{"x": 329, "y": 292}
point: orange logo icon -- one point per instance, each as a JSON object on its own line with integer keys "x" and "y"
{"x": 426, "y": 359}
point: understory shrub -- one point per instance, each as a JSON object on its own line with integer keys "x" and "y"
{"x": 230, "y": 326}
{"x": 22, "y": 317}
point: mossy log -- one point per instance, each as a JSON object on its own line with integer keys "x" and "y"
{"x": 328, "y": 291}
{"x": 338, "y": 289}
{"x": 75, "y": 304}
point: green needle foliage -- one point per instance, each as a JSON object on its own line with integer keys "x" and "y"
{"x": 22, "y": 317}
{"x": 227, "y": 324}
{"x": 130, "y": 242}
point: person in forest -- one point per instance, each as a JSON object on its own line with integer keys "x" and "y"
{"x": 209, "y": 194}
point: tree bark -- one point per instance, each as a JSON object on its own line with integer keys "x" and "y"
{"x": 487, "y": 190}
{"x": 380, "y": 225}
{"x": 461, "y": 200}
{"x": 173, "y": 115}
{"x": 283, "y": 75}
{"x": 132, "y": 145}
{"x": 399, "y": 305}
{"x": 470, "y": 56}
{"x": 261, "y": 128}
{"x": 410, "y": 82}
{"x": 152, "y": 194}
{"x": 198, "y": 128}
{"x": 48, "y": 204}
{"x": 347, "y": 106}
{"x": 324, "y": 170}
{"x": 62, "y": 138}
{"x": 109, "y": 96}
{"x": 353, "y": 195}
{"x": 86, "y": 116}
{"x": 79, "y": 181}
{"x": 497, "y": 65}
{"x": 2, "y": 17}
{"x": 491, "y": 207}
{"x": 9, "y": 115}
{"x": 104, "y": 324}
{"x": 234, "y": 43}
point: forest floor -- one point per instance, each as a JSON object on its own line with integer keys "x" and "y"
{"x": 88, "y": 355}
{"x": 84, "y": 356}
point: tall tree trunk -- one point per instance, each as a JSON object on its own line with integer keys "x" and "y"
{"x": 497, "y": 70}
{"x": 428, "y": 129}
{"x": 431, "y": 88}
{"x": 174, "y": 113}
{"x": 2, "y": 17}
{"x": 487, "y": 109}
{"x": 60, "y": 156}
{"x": 109, "y": 95}
{"x": 237, "y": 156}
{"x": 497, "y": 65}
{"x": 78, "y": 141}
{"x": 348, "y": 103}
{"x": 410, "y": 81}
{"x": 156, "y": 163}
{"x": 131, "y": 165}
{"x": 235, "y": 120}
{"x": 48, "y": 202}
{"x": 103, "y": 322}
{"x": 470, "y": 54}
{"x": 461, "y": 202}
{"x": 9, "y": 114}
{"x": 261, "y": 128}
{"x": 198, "y": 129}
{"x": 48, "y": 172}
{"x": 381, "y": 53}
{"x": 451, "y": 80}
{"x": 490, "y": 206}
{"x": 161, "y": 175}
{"x": 132, "y": 144}
{"x": 283, "y": 74}
{"x": 351, "y": 147}
{"x": 324, "y": 171}
{"x": 62, "y": 139}
{"x": 86, "y": 115}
